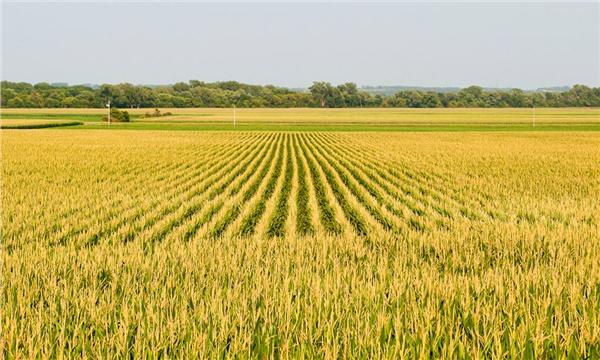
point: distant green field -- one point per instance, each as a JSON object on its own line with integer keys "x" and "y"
{"x": 42, "y": 116}
{"x": 36, "y": 123}
{"x": 203, "y": 119}
{"x": 343, "y": 127}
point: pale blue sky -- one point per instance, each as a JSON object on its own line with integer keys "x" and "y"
{"x": 436, "y": 44}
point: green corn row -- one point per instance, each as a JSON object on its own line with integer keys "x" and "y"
{"x": 277, "y": 225}
{"x": 351, "y": 214}
{"x": 376, "y": 213}
{"x": 303, "y": 219}
{"x": 403, "y": 197}
{"x": 351, "y": 167}
{"x": 189, "y": 234}
{"x": 116, "y": 208}
{"x": 213, "y": 165}
{"x": 417, "y": 179}
{"x": 249, "y": 223}
{"x": 325, "y": 210}
{"x": 234, "y": 211}
{"x": 241, "y": 163}
{"x": 215, "y": 208}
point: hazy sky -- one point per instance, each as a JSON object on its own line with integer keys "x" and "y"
{"x": 436, "y": 44}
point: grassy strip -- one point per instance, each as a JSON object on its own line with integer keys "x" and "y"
{"x": 303, "y": 219}
{"x": 236, "y": 209}
{"x": 276, "y": 227}
{"x": 249, "y": 223}
{"x": 37, "y": 116}
{"x": 325, "y": 210}
{"x": 138, "y": 125}
{"x": 41, "y": 126}
{"x": 352, "y": 215}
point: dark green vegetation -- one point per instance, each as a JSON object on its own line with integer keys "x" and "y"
{"x": 304, "y": 223}
{"x": 156, "y": 113}
{"x": 326, "y": 212}
{"x": 233, "y": 212}
{"x": 41, "y": 125}
{"x": 45, "y": 116}
{"x": 249, "y": 223}
{"x": 322, "y": 94}
{"x": 117, "y": 115}
{"x": 277, "y": 223}
{"x": 354, "y": 190}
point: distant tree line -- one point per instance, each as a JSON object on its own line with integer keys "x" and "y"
{"x": 321, "y": 94}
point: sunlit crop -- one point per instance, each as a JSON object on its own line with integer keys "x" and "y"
{"x": 300, "y": 244}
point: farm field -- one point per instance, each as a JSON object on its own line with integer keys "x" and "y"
{"x": 327, "y": 244}
{"x": 555, "y": 119}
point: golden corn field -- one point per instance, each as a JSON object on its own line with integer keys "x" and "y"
{"x": 182, "y": 244}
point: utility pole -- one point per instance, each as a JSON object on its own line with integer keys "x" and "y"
{"x": 233, "y": 115}
{"x": 108, "y": 106}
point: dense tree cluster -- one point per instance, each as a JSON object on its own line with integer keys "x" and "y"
{"x": 321, "y": 94}
{"x": 475, "y": 96}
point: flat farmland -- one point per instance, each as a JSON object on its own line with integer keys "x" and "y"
{"x": 326, "y": 244}
{"x": 392, "y": 119}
